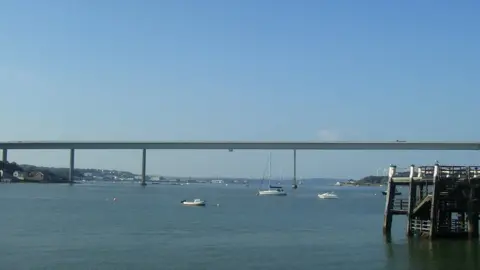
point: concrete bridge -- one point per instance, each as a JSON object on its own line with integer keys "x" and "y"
{"x": 232, "y": 145}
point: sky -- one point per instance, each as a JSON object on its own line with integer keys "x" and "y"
{"x": 240, "y": 70}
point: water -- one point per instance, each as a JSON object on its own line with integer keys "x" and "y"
{"x": 82, "y": 227}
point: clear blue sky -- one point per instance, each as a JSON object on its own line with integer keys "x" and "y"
{"x": 240, "y": 70}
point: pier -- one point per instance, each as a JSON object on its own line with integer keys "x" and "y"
{"x": 443, "y": 201}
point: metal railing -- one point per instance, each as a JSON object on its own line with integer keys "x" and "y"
{"x": 421, "y": 225}
{"x": 400, "y": 204}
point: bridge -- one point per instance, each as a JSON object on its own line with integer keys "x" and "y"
{"x": 231, "y": 145}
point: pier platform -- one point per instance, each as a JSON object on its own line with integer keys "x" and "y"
{"x": 443, "y": 201}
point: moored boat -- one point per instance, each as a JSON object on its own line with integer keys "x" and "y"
{"x": 328, "y": 195}
{"x": 196, "y": 202}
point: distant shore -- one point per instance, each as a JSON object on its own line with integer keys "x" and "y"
{"x": 367, "y": 181}
{"x": 10, "y": 171}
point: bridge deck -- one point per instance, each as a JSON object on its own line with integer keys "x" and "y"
{"x": 193, "y": 145}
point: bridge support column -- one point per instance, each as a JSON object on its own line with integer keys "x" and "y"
{"x": 4, "y": 155}
{"x": 4, "y": 159}
{"x": 144, "y": 166}
{"x": 390, "y": 197}
{"x": 71, "y": 173}
{"x": 294, "y": 184}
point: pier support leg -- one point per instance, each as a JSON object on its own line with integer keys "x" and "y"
{"x": 412, "y": 198}
{"x": 472, "y": 216}
{"x": 434, "y": 210}
{"x": 144, "y": 166}
{"x": 387, "y": 219}
{"x": 4, "y": 155}
{"x": 71, "y": 173}
{"x": 461, "y": 219}
{"x": 294, "y": 184}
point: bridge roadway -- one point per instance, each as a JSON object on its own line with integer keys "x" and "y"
{"x": 244, "y": 145}
{"x": 232, "y": 145}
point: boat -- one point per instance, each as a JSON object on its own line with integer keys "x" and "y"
{"x": 196, "y": 202}
{"x": 396, "y": 192}
{"x": 328, "y": 195}
{"x": 272, "y": 190}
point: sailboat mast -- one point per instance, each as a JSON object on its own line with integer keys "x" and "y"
{"x": 269, "y": 168}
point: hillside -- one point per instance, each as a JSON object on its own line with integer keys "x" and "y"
{"x": 51, "y": 175}
{"x": 372, "y": 180}
{"x": 10, "y": 167}
{"x": 57, "y": 172}
{"x": 378, "y": 180}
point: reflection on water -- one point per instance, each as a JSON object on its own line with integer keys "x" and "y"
{"x": 435, "y": 255}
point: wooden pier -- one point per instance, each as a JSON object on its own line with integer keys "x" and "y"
{"x": 442, "y": 202}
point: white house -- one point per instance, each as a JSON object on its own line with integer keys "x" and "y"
{"x": 29, "y": 176}
{"x": 18, "y": 174}
{"x": 34, "y": 176}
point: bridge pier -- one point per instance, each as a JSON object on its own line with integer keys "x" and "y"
{"x": 4, "y": 159}
{"x": 71, "y": 171}
{"x": 294, "y": 184}
{"x": 144, "y": 166}
{"x": 4, "y": 155}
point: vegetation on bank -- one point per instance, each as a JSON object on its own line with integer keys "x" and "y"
{"x": 51, "y": 175}
{"x": 378, "y": 180}
{"x": 10, "y": 167}
{"x": 372, "y": 180}
{"x": 62, "y": 173}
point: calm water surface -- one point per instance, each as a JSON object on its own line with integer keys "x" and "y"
{"x": 82, "y": 227}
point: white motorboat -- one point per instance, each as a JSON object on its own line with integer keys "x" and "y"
{"x": 196, "y": 202}
{"x": 272, "y": 190}
{"x": 328, "y": 195}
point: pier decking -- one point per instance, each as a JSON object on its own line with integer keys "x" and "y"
{"x": 443, "y": 201}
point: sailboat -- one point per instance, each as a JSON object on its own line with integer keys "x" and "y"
{"x": 272, "y": 190}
